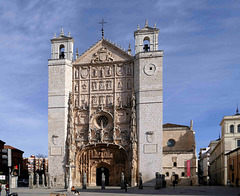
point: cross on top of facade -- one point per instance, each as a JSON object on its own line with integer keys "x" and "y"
{"x": 102, "y": 23}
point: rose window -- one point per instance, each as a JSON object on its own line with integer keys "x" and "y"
{"x": 102, "y": 121}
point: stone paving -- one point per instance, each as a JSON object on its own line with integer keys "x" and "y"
{"x": 109, "y": 191}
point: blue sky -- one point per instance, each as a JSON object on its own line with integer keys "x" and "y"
{"x": 200, "y": 39}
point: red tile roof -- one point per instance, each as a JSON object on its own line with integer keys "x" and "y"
{"x": 170, "y": 125}
{"x": 11, "y": 147}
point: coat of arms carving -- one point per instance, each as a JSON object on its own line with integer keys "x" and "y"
{"x": 102, "y": 55}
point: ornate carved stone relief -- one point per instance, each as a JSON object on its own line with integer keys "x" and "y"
{"x": 76, "y": 87}
{"x": 102, "y": 55}
{"x": 120, "y": 69}
{"x": 101, "y": 85}
{"x": 129, "y": 70}
{"x": 94, "y": 72}
{"x": 84, "y": 85}
{"x": 76, "y": 73}
{"x": 84, "y": 72}
{"x": 108, "y": 71}
{"x": 84, "y": 101}
{"x": 109, "y": 85}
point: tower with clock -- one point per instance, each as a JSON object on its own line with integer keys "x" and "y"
{"x": 149, "y": 105}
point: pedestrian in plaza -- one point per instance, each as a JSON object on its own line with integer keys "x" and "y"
{"x": 7, "y": 189}
{"x": 125, "y": 185}
{"x": 0, "y": 188}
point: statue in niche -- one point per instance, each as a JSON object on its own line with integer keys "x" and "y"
{"x": 94, "y": 85}
{"x": 76, "y": 73}
{"x": 83, "y": 103}
{"x": 109, "y": 101}
{"x": 94, "y": 73}
{"x": 101, "y": 85}
{"x": 109, "y": 71}
{"x": 101, "y": 100}
{"x": 76, "y": 88}
{"x": 119, "y": 84}
{"x": 120, "y": 102}
{"x": 129, "y": 70}
{"x": 101, "y": 73}
{"x": 109, "y": 84}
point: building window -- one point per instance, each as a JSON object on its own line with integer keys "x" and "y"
{"x": 232, "y": 129}
{"x": 61, "y": 51}
{"x": 174, "y": 164}
{"x": 238, "y": 129}
{"x": 238, "y": 143}
{"x": 170, "y": 143}
{"x": 183, "y": 174}
{"x": 167, "y": 174}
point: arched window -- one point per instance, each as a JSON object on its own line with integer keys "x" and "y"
{"x": 61, "y": 52}
{"x": 232, "y": 129}
{"x": 146, "y": 44}
{"x": 238, "y": 129}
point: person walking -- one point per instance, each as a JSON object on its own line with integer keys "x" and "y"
{"x": 125, "y": 185}
{"x": 7, "y": 189}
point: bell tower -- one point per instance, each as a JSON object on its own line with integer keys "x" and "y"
{"x": 59, "y": 87}
{"x": 149, "y": 102}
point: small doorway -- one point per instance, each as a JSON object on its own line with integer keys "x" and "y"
{"x": 100, "y": 171}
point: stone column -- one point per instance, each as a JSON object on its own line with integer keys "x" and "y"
{"x": 37, "y": 180}
{"x": 122, "y": 180}
{"x": 49, "y": 181}
{"x": 84, "y": 181}
{"x": 31, "y": 181}
{"x": 103, "y": 181}
{"x": 140, "y": 181}
{"x": 43, "y": 180}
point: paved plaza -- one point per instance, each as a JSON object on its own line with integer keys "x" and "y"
{"x": 94, "y": 191}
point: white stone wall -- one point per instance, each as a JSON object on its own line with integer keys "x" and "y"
{"x": 148, "y": 90}
{"x": 60, "y": 84}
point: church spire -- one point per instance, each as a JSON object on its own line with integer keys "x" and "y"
{"x": 237, "y": 112}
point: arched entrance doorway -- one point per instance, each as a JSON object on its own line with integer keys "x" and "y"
{"x": 100, "y": 172}
{"x": 110, "y": 159}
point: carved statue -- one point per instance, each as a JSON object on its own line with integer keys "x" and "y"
{"x": 76, "y": 88}
{"x": 109, "y": 71}
{"x": 89, "y": 136}
{"x": 76, "y": 73}
{"x": 101, "y": 85}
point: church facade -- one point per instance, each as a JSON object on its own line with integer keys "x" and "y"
{"x": 105, "y": 111}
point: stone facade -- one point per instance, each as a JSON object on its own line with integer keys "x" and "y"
{"x": 179, "y": 147}
{"x": 233, "y": 170}
{"x": 102, "y": 111}
{"x": 230, "y": 139}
